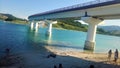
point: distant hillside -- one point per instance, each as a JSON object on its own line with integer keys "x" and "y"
{"x": 9, "y": 17}
{"x": 111, "y": 30}
{"x": 3, "y": 17}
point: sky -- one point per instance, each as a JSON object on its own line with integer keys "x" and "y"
{"x": 25, "y": 8}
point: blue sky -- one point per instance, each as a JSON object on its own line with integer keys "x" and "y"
{"x": 24, "y": 8}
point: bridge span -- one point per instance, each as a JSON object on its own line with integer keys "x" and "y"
{"x": 93, "y": 13}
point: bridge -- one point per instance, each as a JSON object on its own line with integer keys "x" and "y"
{"x": 93, "y": 13}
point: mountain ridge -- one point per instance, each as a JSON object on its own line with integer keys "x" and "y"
{"x": 12, "y": 18}
{"x": 110, "y": 28}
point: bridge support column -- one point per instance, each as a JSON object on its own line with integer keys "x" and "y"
{"x": 49, "y": 29}
{"x": 90, "y": 40}
{"x": 31, "y": 25}
{"x": 34, "y": 26}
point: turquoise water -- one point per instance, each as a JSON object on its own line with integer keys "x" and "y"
{"x": 21, "y": 39}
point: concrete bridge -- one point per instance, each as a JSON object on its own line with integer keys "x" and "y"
{"x": 93, "y": 13}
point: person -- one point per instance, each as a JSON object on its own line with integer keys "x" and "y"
{"x": 116, "y": 55}
{"x": 60, "y": 66}
{"x": 109, "y": 54}
{"x": 55, "y": 66}
{"x": 7, "y": 51}
{"x": 92, "y": 66}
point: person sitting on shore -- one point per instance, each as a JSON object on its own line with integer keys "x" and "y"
{"x": 116, "y": 55}
{"x": 7, "y": 51}
{"x": 109, "y": 54}
{"x": 92, "y": 66}
{"x": 55, "y": 66}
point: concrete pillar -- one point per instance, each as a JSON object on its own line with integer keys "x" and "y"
{"x": 36, "y": 26}
{"x": 32, "y": 25}
{"x": 50, "y": 28}
{"x": 90, "y": 40}
{"x": 49, "y": 39}
{"x": 91, "y": 34}
{"x": 49, "y": 31}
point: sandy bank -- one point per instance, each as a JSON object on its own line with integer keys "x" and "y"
{"x": 69, "y": 59}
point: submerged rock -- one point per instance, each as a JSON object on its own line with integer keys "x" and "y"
{"x": 51, "y": 55}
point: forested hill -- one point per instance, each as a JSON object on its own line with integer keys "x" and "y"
{"x": 70, "y": 23}
{"x": 111, "y": 30}
{"x": 9, "y": 17}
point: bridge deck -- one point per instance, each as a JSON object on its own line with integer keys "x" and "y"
{"x": 87, "y": 5}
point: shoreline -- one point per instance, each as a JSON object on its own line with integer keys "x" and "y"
{"x": 99, "y": 58}
{"x": 69, "y": 59}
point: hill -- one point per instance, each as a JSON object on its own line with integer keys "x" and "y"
{"x": 71, "y": 24}
{"x": 111, "y": 30}
{"x": 11, "y": 18}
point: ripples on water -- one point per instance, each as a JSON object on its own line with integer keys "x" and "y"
{"x": 21, "y": 39}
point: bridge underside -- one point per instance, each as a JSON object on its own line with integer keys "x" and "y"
{"x": 104, "y": 12}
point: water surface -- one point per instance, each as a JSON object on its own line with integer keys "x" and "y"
{"x": 21, "y": 39}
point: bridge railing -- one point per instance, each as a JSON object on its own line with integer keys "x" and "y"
{"x": 82, "y": 5}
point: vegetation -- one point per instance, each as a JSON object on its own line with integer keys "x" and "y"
{"x": 70, "y": 24}
{"x": 114, "y": 32}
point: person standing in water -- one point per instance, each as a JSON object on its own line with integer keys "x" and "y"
{"x": 116, "y": 55}
{"x": 109, "y": 54}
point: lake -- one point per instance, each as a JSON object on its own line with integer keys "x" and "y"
{"x": 20, "y": 39}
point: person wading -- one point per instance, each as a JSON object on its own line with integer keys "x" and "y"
{"x": 116, "y": 55}
{"x": 109, "y": 54}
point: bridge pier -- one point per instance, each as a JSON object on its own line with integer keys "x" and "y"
{"x": 34, "y": 26}
{"x": 31, "y": 25}
{"x": 49, "y": 31}
{"x": 91, "y": 34}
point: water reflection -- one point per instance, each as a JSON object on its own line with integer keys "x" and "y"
{"x": 32, "y": 35}
{"x": 88, "y": 51}
{"x": 33, "y": 41}
{"x": 49, "y": 40}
